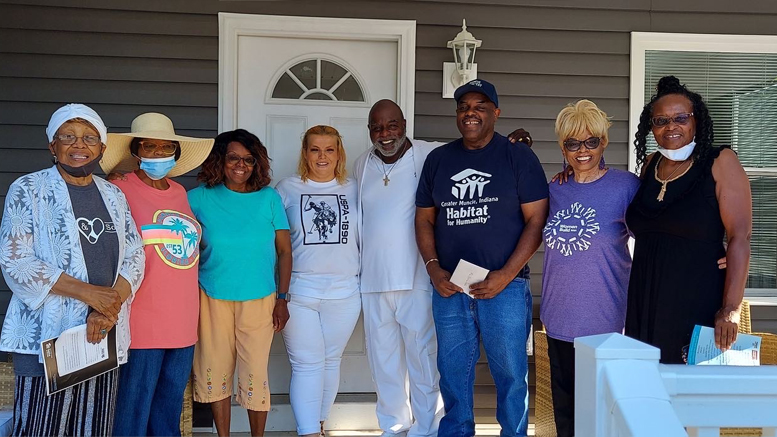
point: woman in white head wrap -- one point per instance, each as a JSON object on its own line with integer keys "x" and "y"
{"x": 71, "y": 255}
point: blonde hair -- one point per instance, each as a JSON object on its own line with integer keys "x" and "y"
{"x": 302, "y": 167}
{"x": 579, "y": 117}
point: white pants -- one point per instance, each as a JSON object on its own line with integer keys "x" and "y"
{"x": 402, "y": 350}
{"x": 315, "y": 336}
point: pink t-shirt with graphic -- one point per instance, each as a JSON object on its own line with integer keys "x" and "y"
{"x": 165, "y": 311}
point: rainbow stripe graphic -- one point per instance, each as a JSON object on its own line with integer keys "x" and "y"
{"x": 160, "y": 234}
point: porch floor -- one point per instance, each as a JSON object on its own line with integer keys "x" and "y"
{"x": 480, "y": 430}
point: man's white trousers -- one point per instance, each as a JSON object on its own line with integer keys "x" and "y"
{"x": 402, "y": 351}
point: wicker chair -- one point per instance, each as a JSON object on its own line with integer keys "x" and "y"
{"x": 187, "y": 411}
{"x": 544, "y": 421}
{"x": 7, "y": 384}
{"x": 745, "y": 327}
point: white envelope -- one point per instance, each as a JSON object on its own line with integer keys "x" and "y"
{"x": 467, "y": 274}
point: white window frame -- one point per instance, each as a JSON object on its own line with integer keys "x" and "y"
{"x": 318, "y": 57}
{"x": 688, "y": 42}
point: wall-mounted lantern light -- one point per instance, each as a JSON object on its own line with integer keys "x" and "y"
{"x": 464, "y": 69}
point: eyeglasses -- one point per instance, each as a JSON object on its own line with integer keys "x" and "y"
{"x": 69, "y": 140}
{"x": 681, "y": 119}
{"x": 233, "y": 159}
{"x": 573, "y": 145}
{"x": 166, "y": 148}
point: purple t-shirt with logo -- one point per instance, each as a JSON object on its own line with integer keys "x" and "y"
{"x": 587, "y": 261}
{"x": 479, "y": 195}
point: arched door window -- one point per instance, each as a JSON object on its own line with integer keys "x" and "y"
{"x": 318, "y": 79}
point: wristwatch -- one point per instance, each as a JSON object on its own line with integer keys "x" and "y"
{"x": 284, "y": 296}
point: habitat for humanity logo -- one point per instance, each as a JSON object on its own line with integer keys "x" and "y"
{"x": 471, "y": 207}
{"x": 468, "y": 183}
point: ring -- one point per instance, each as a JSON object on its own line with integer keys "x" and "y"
{"x": 103, "y": 332}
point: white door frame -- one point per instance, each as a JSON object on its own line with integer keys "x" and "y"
{"x": 233, "y": 26}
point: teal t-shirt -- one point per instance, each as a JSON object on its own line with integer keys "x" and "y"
{"x": 237, "y": 252}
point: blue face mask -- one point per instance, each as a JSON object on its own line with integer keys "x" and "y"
{"x": 157, "y": 168}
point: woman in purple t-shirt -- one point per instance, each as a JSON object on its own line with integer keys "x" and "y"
{"x": 587, "y": 261}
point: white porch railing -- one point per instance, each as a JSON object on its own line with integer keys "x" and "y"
{"x": 621, "y": 390}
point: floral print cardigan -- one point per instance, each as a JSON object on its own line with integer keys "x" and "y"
{"x": 39, "y": 241}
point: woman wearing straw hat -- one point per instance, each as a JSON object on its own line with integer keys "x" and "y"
{"x": 71, "y": 254}
{"x": 246, "y": 234}
{"x": 165, "y": 309}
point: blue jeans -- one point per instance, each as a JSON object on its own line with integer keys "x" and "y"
{"x": 151, "y": 387}
{"x": 503, "y": 323}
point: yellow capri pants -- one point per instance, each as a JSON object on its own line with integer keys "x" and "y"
{"x": 233, "y": 333}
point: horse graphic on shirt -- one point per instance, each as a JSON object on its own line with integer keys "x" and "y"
{"x": 324, "y": 219}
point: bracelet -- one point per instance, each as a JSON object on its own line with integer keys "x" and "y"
{"x": 283, "y": 296}
{"x": 426, "y": 264}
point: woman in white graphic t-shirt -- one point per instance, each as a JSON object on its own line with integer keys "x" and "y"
{"x": 324, "y": 301}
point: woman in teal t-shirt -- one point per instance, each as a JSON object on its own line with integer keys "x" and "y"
{"x": 244, "y": 231}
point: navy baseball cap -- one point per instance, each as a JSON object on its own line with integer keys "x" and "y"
{"x": 477, "y": 86}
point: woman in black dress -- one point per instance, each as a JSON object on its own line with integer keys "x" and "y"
{"x": 692, "y": 196}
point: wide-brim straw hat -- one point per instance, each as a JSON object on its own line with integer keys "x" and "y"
{"x": 152, "y": 125}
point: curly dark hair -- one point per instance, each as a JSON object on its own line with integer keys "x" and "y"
{"x": 704, "y": 134}
{"x": 212, "y": 171}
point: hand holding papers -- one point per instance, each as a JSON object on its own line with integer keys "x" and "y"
{"x": 74, "y": 353}
{"x": 702, "y": 351}
{"x": 467, "y": 274}
{"x": 69, "y": 359}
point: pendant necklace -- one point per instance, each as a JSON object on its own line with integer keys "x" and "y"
{"x": 382, "y": 169}
{"x": 386, "y": 179}
{"x": 664, "y": 182}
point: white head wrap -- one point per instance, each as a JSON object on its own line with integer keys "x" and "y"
{"x": 76, "y": 110}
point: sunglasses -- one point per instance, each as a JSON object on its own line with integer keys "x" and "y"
{"x": 233, "y": 159}
{"x": 681, "y": 119}
{"x": 573, "y": 145}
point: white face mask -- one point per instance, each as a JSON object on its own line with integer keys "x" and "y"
{"x": 680, "y": 154}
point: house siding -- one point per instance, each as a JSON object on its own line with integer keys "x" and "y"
{"x": 124, "y": 58}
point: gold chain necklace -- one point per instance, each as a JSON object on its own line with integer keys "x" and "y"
{"x": 664, "y": 182}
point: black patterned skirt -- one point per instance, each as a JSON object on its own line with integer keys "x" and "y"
{"x": 86, "y": 409}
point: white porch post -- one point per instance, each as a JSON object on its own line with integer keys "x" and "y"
{"x": 592, "y": 417}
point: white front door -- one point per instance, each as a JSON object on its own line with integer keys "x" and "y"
{"x": 280, "y": 76}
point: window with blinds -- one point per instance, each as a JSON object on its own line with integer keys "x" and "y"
{"x": 741, "y": 92}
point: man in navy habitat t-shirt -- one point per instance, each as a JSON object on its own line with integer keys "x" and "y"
{"x": 481, "y": 199}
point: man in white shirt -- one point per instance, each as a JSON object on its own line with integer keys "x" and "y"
{"x": 396, "y": 291}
